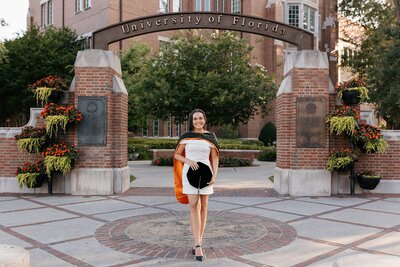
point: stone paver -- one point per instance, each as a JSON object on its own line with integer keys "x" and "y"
{"x": 122, "y": 230}
{"x": 60, "y": 231}
{"x": 373, "y": 218}
{"x": 340, "y": 233}
{"x": 389, "y": 243}
{"x": 94, "y": 253}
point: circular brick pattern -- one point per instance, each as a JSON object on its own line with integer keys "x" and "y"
{"x": 168, "y": 234}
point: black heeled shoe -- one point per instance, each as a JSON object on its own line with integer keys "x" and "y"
{"x": 199, "y": 258}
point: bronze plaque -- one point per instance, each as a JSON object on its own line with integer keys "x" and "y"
{"x": 92, "y": 131}
{"x": 310, "y": 128}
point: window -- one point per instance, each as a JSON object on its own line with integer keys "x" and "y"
{"x": 235, "y": 6}
{"x": 43, "y": 22}
{"x": 177, "y": 129}
{"x": 294, "y": 15}
{"x": 88, "y": 4}
{"x": 309, "y": 14}
{"x": 198, "y": 5}
{"x": 164, "y": 6}
{"x": 177, "y": 6}
{"x": 207, "y": 5}
{"x": 170, "y": 125}
{"x": 144, "y": 129}
{"x": 163, "y": 45}
{"x": 50, "y": 12}
{"x": 156, "y": 124}
{"x": 46, "y": 13}
{"x": 78, "y": 6}
{"x": 302, "y": 16}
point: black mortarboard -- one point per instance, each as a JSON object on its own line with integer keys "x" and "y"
{"x": 201, "y": 177}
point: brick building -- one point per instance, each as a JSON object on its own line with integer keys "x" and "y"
{"x": 87, "y": 16}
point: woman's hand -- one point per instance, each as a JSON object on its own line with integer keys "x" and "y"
{"x": 193, "y": 164}
{"x": 212, "y": 180}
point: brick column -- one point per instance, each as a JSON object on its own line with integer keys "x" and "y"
{"x": 301, "y": 167}
{"x": 102, "y": 164}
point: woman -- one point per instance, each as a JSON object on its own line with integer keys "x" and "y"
{"x": 195, "y": 146}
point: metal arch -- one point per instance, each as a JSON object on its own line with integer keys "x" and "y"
{"x": 202, "y": 20}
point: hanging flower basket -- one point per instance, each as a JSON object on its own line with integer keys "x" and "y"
{"x": 60, "y": 157}
{"x": 49, "y": 89}
{"x": 342, "y": 120}
{"x": 58, "y": 117}
{"x": 352, "y": 92}
{"x": 368, "y": 180}
{"x": 341, "y": 160}
{"x": 368, "y": 139}
{"x": 32, "y": 139}
{"x": 31, "y": 175}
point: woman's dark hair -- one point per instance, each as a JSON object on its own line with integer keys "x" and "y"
{"x": 191, "y": 126}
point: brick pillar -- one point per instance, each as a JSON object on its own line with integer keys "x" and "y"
{"x": 102, "y": 139}
{"x": 303, "y": 101}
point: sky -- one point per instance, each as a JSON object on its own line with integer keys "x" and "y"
{"x": 14, "y": 13}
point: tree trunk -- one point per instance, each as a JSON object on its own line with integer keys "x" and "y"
{"x": 397, "y": 6}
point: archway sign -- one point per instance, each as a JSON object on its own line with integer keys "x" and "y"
{"x": 202, "y": 20}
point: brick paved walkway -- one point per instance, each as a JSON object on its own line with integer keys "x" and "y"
{"x": 100, "y": 231}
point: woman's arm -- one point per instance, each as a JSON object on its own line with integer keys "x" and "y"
{"x": 178, "y": 156}
{"x": 215, "y": 162}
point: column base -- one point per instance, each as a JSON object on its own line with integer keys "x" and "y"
{"x": 99, "y": 181}
{"x": 301, "y": 182}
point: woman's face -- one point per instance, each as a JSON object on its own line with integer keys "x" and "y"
{"x": 198, "y": 121}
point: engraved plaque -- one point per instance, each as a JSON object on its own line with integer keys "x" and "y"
{"x": 310, "y": 128}
{"x": 92, "y": 129}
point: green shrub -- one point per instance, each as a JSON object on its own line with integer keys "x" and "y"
{"x": 227, "y": 131}
{"x": 223, "y": 162}
{"x": 268, "y": 134}
{"x": 268, "y": 154}
{"x": 234, "y": 162}
{"x": 163, "y": 161}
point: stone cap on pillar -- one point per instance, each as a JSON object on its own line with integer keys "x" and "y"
{"x": 306, "y": 59}
{"x": 99, "y": 59}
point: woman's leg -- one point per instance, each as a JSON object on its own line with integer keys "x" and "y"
{"x": 195, "y": 221}
{"x": 203, "y": 215}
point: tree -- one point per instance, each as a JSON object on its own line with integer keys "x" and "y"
{"x": 132, "y": 61}
{"x": 29, "y": 58}
{"x": 212, "y": 73}
{"x": 378, "y": 58}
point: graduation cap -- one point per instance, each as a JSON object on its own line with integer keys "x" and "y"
{"x": 201, "y": 177}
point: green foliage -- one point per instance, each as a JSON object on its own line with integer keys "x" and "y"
{"x": 28, "y": 174}
{"x": 32, "y": 145}
{"x": 268, "y": 154}
{"x": 27, "y": 179}
{"x": 132, "y": 62}
{"x": 42, "y": 94}
{"x": 211, "y": 73}
{"x": 338, "y": 163}
{"x": 345, "y": 124}
{"x": 378, "y": 58}
{"x": 368, "y": 13}
{"x": 340, "y": 158}
{"x": 268, "y": 134}
{"x": 53, "y": 163}
{"x": 30, "y": 57}
{"x": 234, "y": 162}
{"x": 163, "y": 161}
{"x": 228, "y": 131}
{"x": 54, "y": 122}
{"x": 380, "y": 146}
